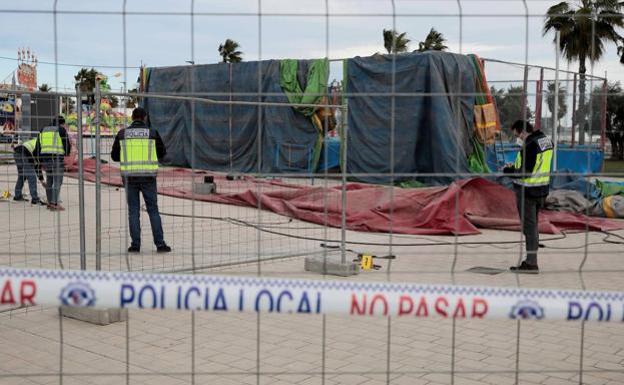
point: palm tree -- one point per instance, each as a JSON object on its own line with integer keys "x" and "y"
{"x": 433, "y": 42}
{"x": 509, "y": 104}
{"x": 614, "y": 115}
{"x": 395, "y": 42}
{"x": 562, "y": 109}
{"x": 44, "y": 87}
{"x": 228, "y": 51}
{"x": 132, "y": 101}
{"x": 584, "y": 29}
{"x": 86, "y": 78}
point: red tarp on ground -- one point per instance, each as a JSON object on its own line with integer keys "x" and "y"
{"x": 419, "y": 211}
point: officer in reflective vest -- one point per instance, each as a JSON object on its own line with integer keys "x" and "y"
{"x": 52, "y": 146}
{"x": 138, "y": 150}
{"x": 27, "y": 169}
{"x": 531, "y": 185}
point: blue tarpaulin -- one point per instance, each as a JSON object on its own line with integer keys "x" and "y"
{"x": 432, "y": 125}
{"x": 330, "y": 154}
{"x": 287, "y": 137}
{"x": 578, "y": 159}
{"x": 567, "y": 180}
{"x": 431, "y": 115}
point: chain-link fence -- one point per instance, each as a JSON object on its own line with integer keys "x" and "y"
{"x": 351, "y": 173}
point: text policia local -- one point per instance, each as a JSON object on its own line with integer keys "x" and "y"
{"x": 298, "y": 301}
{"x": 219, "y": 299}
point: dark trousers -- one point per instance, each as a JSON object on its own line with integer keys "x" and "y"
{"x": 150, "y": 196}
{"x": 528, "y": 208}
{"x": 54, "y": 168}
{"x": 25, "y": 171}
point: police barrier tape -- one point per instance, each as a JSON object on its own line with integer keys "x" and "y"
{"x": 249, "y": 294}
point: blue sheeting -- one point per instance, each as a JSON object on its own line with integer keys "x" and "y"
{"x": 568, "y": 181}
{"x": 332, "y": 150}
{"x": 577, "y": 159}
{"x": 287, "y": 137}
{"x": 431, "y": 131}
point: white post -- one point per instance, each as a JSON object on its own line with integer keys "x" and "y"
{"x": 555, "y": 134}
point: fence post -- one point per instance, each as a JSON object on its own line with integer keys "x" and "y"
{"x": 343, "y": 190}
{"x": 524, "y": 91}
{"x": 98, "y": 189}
{"x": 603, "y": 114}
{"x": 573, "y": 108}
{"x": 539, "y": 90}
{"x": 81, "y": 200}
{"x": 555, "y": 117}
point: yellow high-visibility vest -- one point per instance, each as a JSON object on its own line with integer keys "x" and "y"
{"x": 30, "y": 145}
{"x": 138, "y": 153}
{"x": 50, "y": 141}
{"x": 540, "y": 175}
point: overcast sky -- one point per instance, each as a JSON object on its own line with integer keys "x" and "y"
{"x": 287, "y": 29}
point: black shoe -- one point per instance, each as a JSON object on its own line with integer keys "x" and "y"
{"x": 20, "y": 199}
{"x": 163, "y": 249}
{"x": 525, "y": 268}
{"x": 38, "y": 202}
{"x": 134, "y": 249}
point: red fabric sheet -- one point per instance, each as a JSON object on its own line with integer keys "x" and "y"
{"x": 432, "y": 210}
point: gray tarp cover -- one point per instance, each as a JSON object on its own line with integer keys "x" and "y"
{"x": 431, "y": 132}
{"x": 287, "y": 140}
{"x": 574, "y": 202}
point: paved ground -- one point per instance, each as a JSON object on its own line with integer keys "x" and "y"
{"x": 156, "y": 347}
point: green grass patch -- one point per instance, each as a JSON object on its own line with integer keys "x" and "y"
{"x": 614, "y": 166}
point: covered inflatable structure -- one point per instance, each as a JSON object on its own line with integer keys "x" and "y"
{"x": 409, "y": 113}
{"x": 412, "y": 113}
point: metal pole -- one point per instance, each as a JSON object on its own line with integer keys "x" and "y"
{"x": 392, "y": 152}
{"x": 603, "y": 114}
{"x": 343, "y": 215}
{"x": 535, "y": 66}
{"x": 230, "y": 115}
{"x": 98, "y": 189}
{"x": 125, "y": 85}
{"x": 573, "y": 108}
{"x": 259, "y": 185}
{"x": 193, "y": 143}
{"x": 524, "y": 91}
{"x": 58, "y": 170}
{"x": 81, "y": 200}
{"x": 555, "y": 118}
{"x": 539, "y": 91}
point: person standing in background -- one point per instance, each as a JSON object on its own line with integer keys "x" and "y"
{"x": 27, "y": 169}
{"x": 533, "y": 164}
{"x": 52, "y": 147}
{"x": 138, "y": 149}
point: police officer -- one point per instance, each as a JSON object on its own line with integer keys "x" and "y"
{"x": 534, "y": 162}
{"x": 52, "y": 147}
{"x": 138, "y": 150}
{"x": 27, "y": 169}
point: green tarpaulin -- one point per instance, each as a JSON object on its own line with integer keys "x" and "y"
{"x": 610, "y": 188}
{"x": 316, "y": 83}
{"x": 315, "y": 89}
{"x": 476, "y": 160}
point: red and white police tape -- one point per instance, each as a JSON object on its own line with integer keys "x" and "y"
{"x": 248, "y": 294}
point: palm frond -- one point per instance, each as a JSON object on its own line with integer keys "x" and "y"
{"x": 395, "y": 42}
